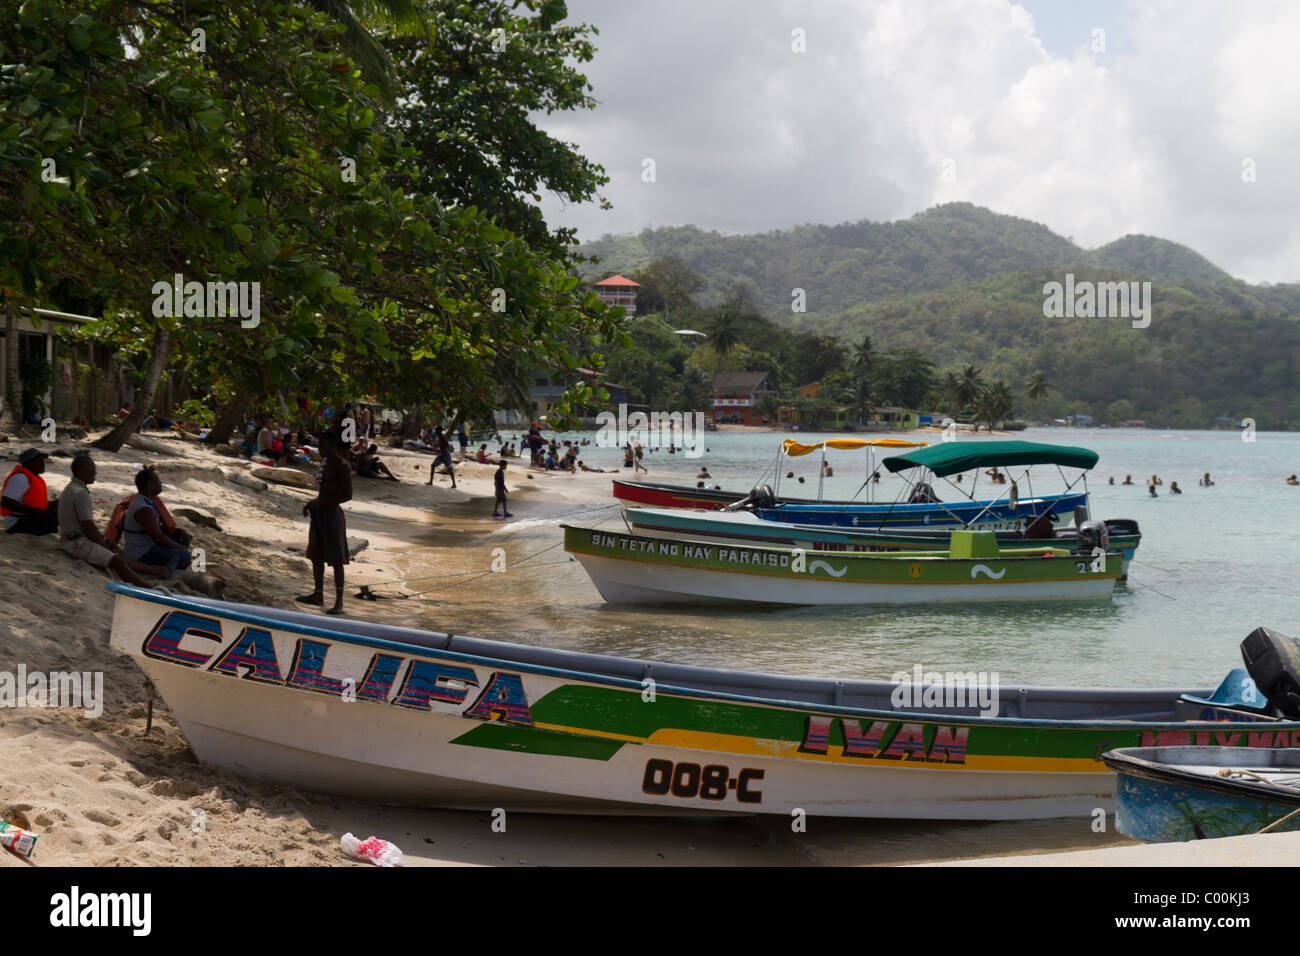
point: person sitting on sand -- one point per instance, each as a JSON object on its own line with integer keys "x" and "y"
{"x": 270, "y": 444}
{"x": 499, "y": 485}
{"x": 327, "y": 538}
{"x": 442, "y": 455}
{"x": 369, "y": 465}
{"x": 570, "y": 462}
{"x": 143, "y": 538}
{"x": 23, "y": 499}
{"x": 81, "y": 539}
{"x": 549, "y": 462}
{"x": 482, "y": 455}
{"x": 1174, "y": 489}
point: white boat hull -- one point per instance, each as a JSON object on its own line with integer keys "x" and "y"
{"x": 378, "y": 751}
{"x": 622, "y": 581}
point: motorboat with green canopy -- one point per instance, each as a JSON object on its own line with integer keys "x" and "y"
{"x": 923, "y": 508}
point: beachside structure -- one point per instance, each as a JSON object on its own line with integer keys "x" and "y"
{"x": 735, "y": 396}
{"x": 84, "y": 379}
{"x": 618, "y": 290}
{"x": 894, "y": 417}
{"x": 844, "y": 417}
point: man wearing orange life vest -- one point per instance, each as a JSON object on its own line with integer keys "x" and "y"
{"x": 24, "y": 501}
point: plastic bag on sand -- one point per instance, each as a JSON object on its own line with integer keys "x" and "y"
{"x": 374, "y": 850}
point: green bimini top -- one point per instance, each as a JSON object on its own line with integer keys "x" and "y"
{"x": 949, "y": 458}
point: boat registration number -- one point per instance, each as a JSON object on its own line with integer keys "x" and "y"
{"x": 709, "y": 782}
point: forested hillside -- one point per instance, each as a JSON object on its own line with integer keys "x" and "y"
{"x": 964, "y": 287}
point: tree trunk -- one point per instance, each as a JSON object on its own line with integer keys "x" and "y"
{"x": 11, "y": 419}
{"x": 410, "y": 426}
{"x": 228, "y": 418}
{"x": 143, "y": 397}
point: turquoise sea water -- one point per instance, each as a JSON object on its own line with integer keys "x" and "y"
{"x": 1213, "y": 564}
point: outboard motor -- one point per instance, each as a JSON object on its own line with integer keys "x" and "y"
{"x": 1122, "y": 526}
{"x": 761, "y": 496}
{"x": 1092, "y": 535}
{"x": 1273, "y": 661}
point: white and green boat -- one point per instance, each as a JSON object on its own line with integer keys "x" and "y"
{"x": 745, "y": 527}
{"x": 648, "y": 569}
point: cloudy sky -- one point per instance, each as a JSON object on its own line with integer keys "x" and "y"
{"x": 1097, "y": 119}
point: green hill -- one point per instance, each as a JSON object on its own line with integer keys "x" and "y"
{"x": 1156, "y": 259}
{"x": 842, "y": 266}
{"x": 959, "y": 285}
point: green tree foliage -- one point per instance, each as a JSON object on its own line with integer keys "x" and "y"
{"x": 260, "y": 155}
{"x": 471, "y": 94}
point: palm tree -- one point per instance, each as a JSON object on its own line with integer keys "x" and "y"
{"x": 358, "y": 19}
{"x": 725, "y": 335}
{"x": 649, "y": 380}
{"x": 768, "y": 406}
{"x": 1037, "y": 386}
{"x": 970, "y": 384}
{"x": 864, "y": 356}
{"x": 693, "y": 392}
{"x": 995, "y": 404}
{"x": 948, "y": 392}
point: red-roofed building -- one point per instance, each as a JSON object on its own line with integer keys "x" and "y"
{"x": 618, "y": 290}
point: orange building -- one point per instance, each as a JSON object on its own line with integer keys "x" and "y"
{"x": 735, "y": 396}
{"x": 618, "y": 290}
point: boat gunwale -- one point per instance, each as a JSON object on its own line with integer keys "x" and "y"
{"x": 1123, "y": 761}
{"x": 220, "y": 609}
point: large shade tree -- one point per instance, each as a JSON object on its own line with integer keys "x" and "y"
{"x": 256, "y": 155}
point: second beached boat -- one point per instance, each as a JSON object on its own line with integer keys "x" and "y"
{"x": 645, "y": 569}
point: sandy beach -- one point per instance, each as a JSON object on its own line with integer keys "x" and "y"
{"x": 101, "y": 793}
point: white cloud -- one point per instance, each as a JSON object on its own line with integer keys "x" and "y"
{"x": 749, "y": 135}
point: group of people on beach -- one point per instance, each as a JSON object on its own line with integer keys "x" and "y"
{"x": 140, "y": 542}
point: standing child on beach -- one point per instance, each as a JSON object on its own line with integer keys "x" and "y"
{"x": 499, "y": 480}
{"x": 327, "y": 539}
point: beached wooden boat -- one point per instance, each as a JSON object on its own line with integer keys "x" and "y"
{"x": 1175, "y": 794}
{"x": 649, "y": 569}
{"x": 1124, "y": 535}
{"x": 399, "y": 715}
{"x": 1170, "y": 791}
{"x": 661, "y": 495}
